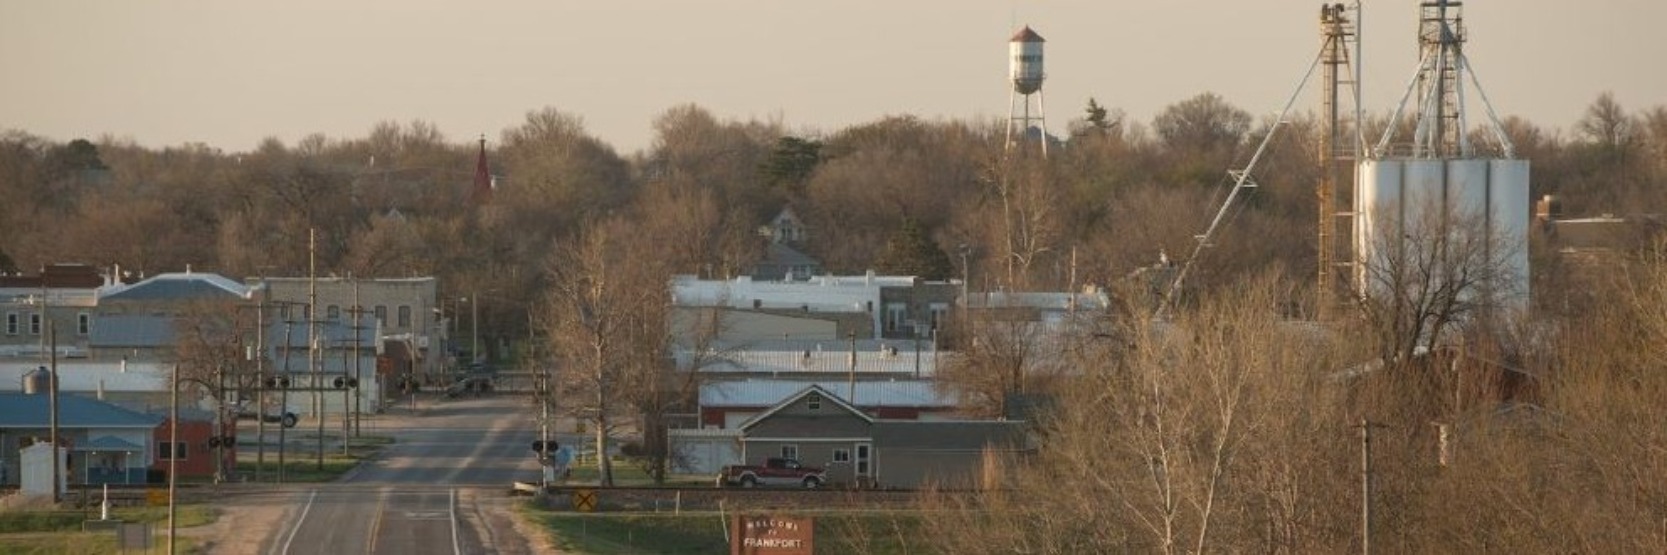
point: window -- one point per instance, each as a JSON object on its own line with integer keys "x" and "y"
{"x": 404, "y": 316}
{"x": 163, "y": 452}
{"x": 896, "y": 315}
{"x": 333, "y": 312}
{"x": 790, "y": 451}
{"x": 83, "y": 323}
{"x": 34, "y": 324}
{"x": 841, "y": 455}
{"x": 813, "y": 401}
{"x": 306, "y": 312}
{"x": 939, "y": 312}
{"x": 381, "y": 316}
{"x": 12, "y": 323}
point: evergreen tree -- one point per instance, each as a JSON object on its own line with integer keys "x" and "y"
{"x": 911, "y": 253}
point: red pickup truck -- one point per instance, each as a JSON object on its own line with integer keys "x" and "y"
{"x": 774, "y": 472}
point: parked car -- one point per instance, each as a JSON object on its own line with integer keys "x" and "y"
{"x": 471, "y": 385}
{"x": 774, "y": 472}
{"x": 288, "y": 418}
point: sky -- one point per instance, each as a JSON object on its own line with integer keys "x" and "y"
{"x": 230, "y": 73}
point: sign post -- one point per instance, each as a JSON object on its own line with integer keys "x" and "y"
{"x": 772, "y": 535}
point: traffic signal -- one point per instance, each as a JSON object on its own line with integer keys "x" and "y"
{"x": 545, "y": 447}
{"x": 276, "y": 383}
{"x": 346, "y": 383}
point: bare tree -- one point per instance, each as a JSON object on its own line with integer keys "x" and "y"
{"x": 1186, "y": 437}
{"x": 1432, "y": 269}
{"x": 598, "y": 308}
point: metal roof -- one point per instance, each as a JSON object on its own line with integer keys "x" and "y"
{"x": 768, "y": 392}
{"x": 177, "y": 286}
{"x": 132, "y": 330}
{"x": 110, "y": 443}
{"x": 892, "y": 357}
{"x": 90, "y": 375}
{"x": 1027, "y": 35}
{"x": 18, "y": 410}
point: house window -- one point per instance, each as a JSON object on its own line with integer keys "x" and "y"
{"x": 790, "y": 451}
{"x": 34, "y": 324}
{"x": 333, "y": 312}
{"x": 381, "y": 316}
{"x": 939, "y": 311}
{"x": 83, "y": 323}
{"x": 813, "y": 401}
{"x": 841, "y": 455}
{"x": 896, "y": 315}
{"x": 168, "y": 450}
{"x": 12, "y": 323}
{"x": 404, "y": 316}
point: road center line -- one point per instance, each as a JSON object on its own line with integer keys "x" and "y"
{"x": 376, "y": 524}
{"x": 299, "y": 521}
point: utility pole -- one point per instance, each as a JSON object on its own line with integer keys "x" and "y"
{"x": 283, "y": 394}
{"x": 357, "y": 311}
{"x": 853, "y": 368}
{"x": 313, "y": 363}
{"x": 474, "y": 328}
{"x": 173, "y": 455}
{"x": 260, "y": 378}
{"x": 52, "y": 399}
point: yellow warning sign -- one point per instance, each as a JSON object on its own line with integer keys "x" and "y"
{"x": 584, "y": 500}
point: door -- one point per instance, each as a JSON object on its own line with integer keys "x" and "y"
{"x": 864, "y": 464}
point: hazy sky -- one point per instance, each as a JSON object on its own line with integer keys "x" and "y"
{"x": 229, "y": 73}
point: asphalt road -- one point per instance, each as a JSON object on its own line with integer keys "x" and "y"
{"x": 440, "y": 488}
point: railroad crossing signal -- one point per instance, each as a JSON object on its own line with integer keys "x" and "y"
{"x": 276, "y": 383}
{"x": 345, "y": 383}
{"x": 584, "y": 500}
{"x": 545, "y": 447}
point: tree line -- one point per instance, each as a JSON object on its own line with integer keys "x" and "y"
{"x": 1205, "y": 437}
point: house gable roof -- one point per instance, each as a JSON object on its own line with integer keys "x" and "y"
{"x": 796, "y": 397}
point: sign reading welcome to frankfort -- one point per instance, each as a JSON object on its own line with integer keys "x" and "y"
{"x": 772, "y": 535}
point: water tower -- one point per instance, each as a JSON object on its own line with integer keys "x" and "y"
{"x": 1025, "y": 70}
{"x": 1438, "y": 176}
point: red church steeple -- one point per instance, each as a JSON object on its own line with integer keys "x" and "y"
{"x": 481, "y": 193}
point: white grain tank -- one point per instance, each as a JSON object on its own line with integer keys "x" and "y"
{"x": 1026, "y": 61}
{"x": 1398, "y": 199}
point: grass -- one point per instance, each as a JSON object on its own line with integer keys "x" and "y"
{"x": 862, "y": 532}
{"x": 301, "y": 465}
{"x": 304, "y": 468}
{"x": 12, "y": 522}
{"x": 628, "y": 474}
{"x": 53, "y": 531}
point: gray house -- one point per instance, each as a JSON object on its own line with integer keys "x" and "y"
{"x": 819, "y": 428}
